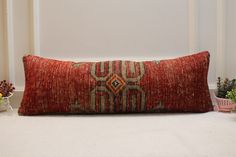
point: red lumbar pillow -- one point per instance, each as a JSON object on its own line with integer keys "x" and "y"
{"x": 175, "y": 85}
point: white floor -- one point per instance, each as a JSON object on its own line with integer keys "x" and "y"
{"x": 210, "y": 134}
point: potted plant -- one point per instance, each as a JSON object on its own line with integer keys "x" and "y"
{"x": 232, "y": 96}
{"x": 6, "y": 91}
{"x": 224, "y": 104}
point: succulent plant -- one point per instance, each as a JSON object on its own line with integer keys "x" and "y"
{"x": 224, "y": 86}
{"x": 6, "y": 88}
{"x": 232, "y": 95}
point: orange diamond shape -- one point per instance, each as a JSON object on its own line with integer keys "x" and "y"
{"x": 115, "y": 83}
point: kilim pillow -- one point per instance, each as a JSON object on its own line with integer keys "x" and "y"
{"x": 175, "y": 85}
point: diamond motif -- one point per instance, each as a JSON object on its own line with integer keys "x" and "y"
{"x": 115, "y": 83}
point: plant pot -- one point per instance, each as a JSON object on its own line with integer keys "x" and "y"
{"x": 224, "y": 105}
{"x": 5, "y": 103}
{"x": 2, "y": 107}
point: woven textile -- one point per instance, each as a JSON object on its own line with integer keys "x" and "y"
{"x": 175, "y": 85}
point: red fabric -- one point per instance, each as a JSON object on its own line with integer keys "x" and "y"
{"x": 175, "y": 85}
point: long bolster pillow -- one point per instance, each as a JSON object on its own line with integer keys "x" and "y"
{"x": 174, "y": 85}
